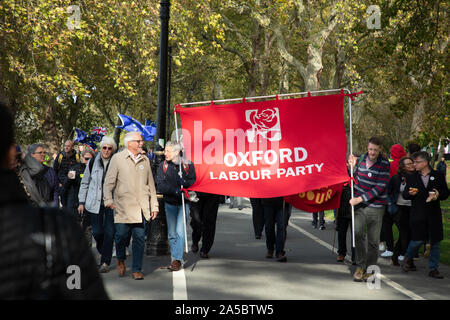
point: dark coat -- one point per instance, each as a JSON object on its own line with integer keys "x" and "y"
{"x": 426, "y": 217}
{"x": 168, "y": 182}
{"x": 27, "y": 267}
{"x": 345, "y": 209}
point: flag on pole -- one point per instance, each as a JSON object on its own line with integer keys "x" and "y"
{"x": 266, "y": 148}
{"x": 80, "y": 135}
{"x": 132, "y": 125}
{"x": 102, "y": 131}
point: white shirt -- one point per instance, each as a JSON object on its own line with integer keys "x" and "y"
{"x": 135, "y": 159}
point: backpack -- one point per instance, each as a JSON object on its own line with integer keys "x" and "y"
{"x": 166, "y": 165}
{"x": 77, "y": 158}
{"x": 42, "y": 185}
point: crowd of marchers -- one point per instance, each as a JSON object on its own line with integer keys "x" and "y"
{"x": 112, "y": 195}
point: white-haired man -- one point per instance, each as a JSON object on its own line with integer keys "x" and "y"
{"x": 90, "y": 198}
{"x": 129, "y": 188}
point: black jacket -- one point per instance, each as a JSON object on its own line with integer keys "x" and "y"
{"x": 62, "y": 167}
{"x": 168, "y": 181}
{"x": 426, "y": 217}
{"x": 38, "y": 245}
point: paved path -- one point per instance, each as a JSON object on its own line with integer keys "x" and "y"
{"x": 239, "y": 270}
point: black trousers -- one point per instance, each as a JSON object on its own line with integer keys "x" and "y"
{"x": 401, "y": 219}
{"x": 343, "y": 224}
{"x": 257, "y": 216}
{"x": 386, "y": 231}
{"x": 203, "y": 220}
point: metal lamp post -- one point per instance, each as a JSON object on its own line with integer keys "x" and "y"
{"x": 157, "y": 240}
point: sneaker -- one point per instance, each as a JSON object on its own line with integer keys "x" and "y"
{"x": 358, "y": 275}
{"x": 381, "y": 247}
{"x": 322, "y": 227}
{"x": 104, "y": 268}
{"x": 435, "y": 274}
{"x": 227, "y": 201}
{"x": 401, "y": 258}
{"x": 314, "y": 225}
{"x": 387, "y": 254}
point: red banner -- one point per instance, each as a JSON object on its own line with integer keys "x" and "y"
{"x": 317, "y": 200}
{"x": 266, "y": 149}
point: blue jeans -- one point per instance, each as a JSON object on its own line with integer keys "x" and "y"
{"x": 103, "y": 232}
{"x": 274, "y": 215}
{"x": 435, "y": 252}
{"x": 175, "y": 229}
{"x": 123, "y": 233}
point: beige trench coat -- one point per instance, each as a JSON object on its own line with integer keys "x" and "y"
{"x": 130, "y": 186}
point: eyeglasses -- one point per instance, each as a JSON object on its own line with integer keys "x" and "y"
{"x": 107, "y": 148}
{"x": 138, "y": 141}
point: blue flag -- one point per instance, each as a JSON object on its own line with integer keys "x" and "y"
{"x": 151, "y": 128}
{"x": 132, "y": 125}
{"x": 80, "y": 135}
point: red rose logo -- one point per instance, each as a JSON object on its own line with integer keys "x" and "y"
{"x": 265, "y": 120}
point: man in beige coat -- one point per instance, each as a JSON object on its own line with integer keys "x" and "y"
{"x": 130, "y": 190}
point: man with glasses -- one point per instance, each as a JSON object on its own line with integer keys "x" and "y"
{"x": 40, "y": 182}
{"x": 92, "y": 205}
{"x": 425, "y": 188}
{"x": 66, "y": 158}
{"x": 129, "y": 189}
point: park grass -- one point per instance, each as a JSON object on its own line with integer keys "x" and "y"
{"x": 445, "y": 206}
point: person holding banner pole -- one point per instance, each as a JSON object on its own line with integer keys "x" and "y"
{"x": 171, "y": 185}
{"x": 370, "y": 199}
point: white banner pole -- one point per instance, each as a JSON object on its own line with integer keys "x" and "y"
{"x": 182, "y": 193}
{"x": 351, "y": 166}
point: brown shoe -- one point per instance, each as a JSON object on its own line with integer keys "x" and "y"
{"x": 121, "y": 268}
{"x": 175, "y": 266}
{"x": 340, "y": 258}
{"x": 137, "y": 276}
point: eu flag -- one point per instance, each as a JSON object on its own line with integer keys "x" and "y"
{"x": 132, "y": 125}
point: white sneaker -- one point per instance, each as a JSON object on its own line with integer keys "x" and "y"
{"x": 401, "y": 258}
{"x": 381, "y": 247}
{"x": 227, "y": 201}
{"x": 387, "y": 254}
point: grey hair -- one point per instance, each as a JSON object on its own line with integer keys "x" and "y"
{"x": 110, "y": 141}
{"x": 176, "y": 147}
{"x": 33, "y": 147}
{"x": 129, "y": 136}
{"x": 88, "y": 150}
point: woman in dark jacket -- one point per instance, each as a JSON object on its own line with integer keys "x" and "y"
{"x": 399, "y": 208}
{"x": 425, "y": 187}
{"x": 169, "y": 183}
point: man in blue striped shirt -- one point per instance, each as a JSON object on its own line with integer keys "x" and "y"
{"x": 372, "y": 176}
